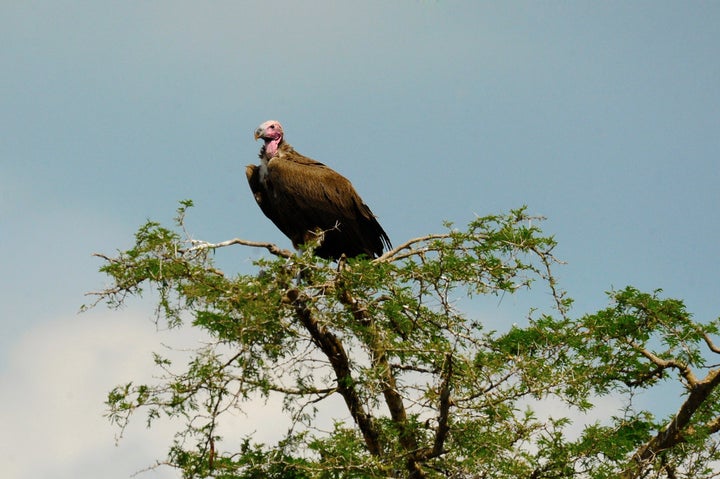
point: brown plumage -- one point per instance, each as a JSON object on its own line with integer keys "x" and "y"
{"x": 308, "y": 201}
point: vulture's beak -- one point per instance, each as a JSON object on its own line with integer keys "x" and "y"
{"x": 259, "y": 133}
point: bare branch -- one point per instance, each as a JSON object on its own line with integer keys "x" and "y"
{"x": 105, "y": 257}
{"x": 668, "y": 363}
{"x": 271, "y": 247}
{"x": 710, "y": 343}
{"x": 548, "y": 259}
{"x": 390, "y": 255}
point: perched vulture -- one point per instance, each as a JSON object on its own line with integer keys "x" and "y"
{"x": 308, "y": 201}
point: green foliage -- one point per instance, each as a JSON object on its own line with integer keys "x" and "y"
{"x": 429, "y": 392}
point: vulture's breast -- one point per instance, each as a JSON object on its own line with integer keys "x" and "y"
{"x": 263, "y": 172}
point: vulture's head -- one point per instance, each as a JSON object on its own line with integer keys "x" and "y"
{"x": 272, "y": 134}
{"x": 271, "y": 130}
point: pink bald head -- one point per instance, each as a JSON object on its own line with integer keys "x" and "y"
{"x": 272, "y": 134}
{"x": 270, "y": 130}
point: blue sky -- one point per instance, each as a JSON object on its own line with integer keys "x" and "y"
{"x": 602, "y": 116}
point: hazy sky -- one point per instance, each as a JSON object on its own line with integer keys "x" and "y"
{"x": 602, "y": 116}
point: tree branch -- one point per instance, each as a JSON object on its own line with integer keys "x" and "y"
{"x": 389, "y": 256}
{"x": 710, "y": 343}
{"x": 271, "y": 247}
{"x": 713, "y": 426}
{"x": 443, "y": 427}
{"x": 332, "y": 347}
{"x": 393, "y": 399}
{"x": 685, "y": 371}
{"x": 672, "y": 434}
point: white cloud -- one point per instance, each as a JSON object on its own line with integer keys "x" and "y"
{"x": 52, "y": 390}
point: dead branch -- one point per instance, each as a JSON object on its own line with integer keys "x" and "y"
{"x": 271, "y": 247}
{"x": 390, "y": 255}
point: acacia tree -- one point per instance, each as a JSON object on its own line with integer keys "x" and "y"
{"x": 429, "y": 391}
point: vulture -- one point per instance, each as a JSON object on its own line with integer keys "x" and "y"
{"x": 310, "y": 202}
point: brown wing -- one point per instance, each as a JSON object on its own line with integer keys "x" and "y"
{"x": 302, "y": 196}
{"x": 263, "y": 199}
